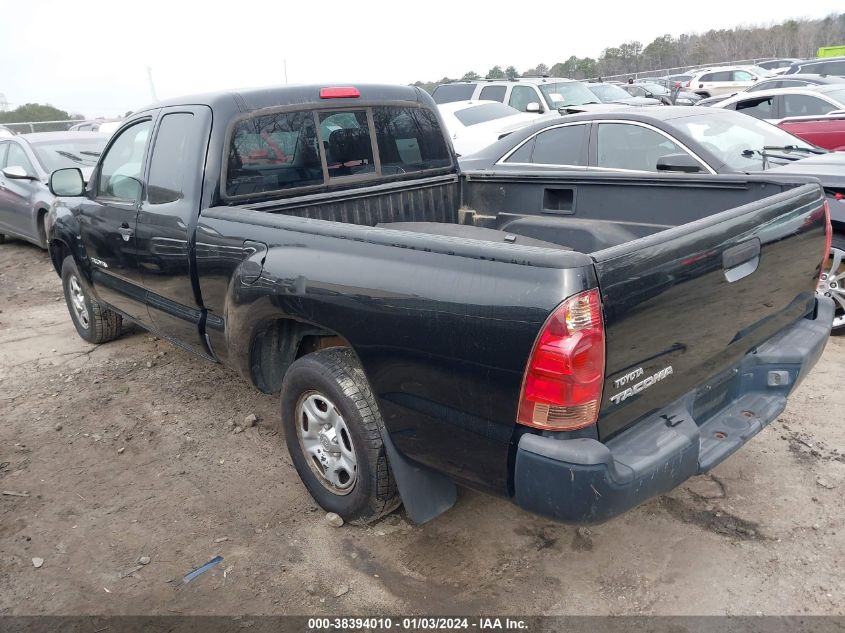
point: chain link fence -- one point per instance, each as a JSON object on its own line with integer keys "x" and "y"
{"x": 676, "y": 70}
{"x": 29, "y": 127}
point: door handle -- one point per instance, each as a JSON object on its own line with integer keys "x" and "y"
{"x": 125, "y": 231}
{"x": 741, "y": 260}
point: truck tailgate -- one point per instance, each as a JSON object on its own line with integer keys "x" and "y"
{"x": 683, "y": 306}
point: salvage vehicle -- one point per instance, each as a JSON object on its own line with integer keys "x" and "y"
{"x": 680, "y": 140}
{"x": 427, "y": 326}
{"x": 537, "y": 95}
{"x": 26, "y": 162}
{"x": 792, "y": 81}
{"x": 473, "y": 125}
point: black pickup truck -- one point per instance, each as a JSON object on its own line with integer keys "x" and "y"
{"x": 428, "y": 327}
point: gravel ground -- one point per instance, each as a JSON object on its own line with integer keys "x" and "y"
{"x": 127, "y": 451}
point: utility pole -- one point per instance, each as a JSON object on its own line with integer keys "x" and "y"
{"x": 152, "y": 85}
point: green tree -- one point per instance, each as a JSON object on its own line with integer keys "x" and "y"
{"x": 496, "y": 73}
{"x": 33, "y": 112}
{"x": 471, "y": 76}
{"x": 511, "y": 73}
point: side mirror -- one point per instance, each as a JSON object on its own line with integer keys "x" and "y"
{"x": 67, "y": 182}
{"x": 15, "y": 172}
{"x": 649, "y": 95}
{"x": 533, "y": 107}
{"x": 678, "y": 162}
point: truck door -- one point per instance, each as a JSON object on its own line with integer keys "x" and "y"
{"x": 108, "y": 216}
{"x": 166, "y": 224}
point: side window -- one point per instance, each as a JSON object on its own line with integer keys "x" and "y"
{"x": 493, "y": 93}
{"x": 521, "y": 96}
{"x": 523, "y": 154}
{"x": 346, "y": 139}
{"x": 16, "y": 157}
{"x": 626, "y": 146}
{"x": 123, "y": 164}
{"x": 449, "y": 93}
{"x": 273, "y": 152}
{"x": 762, "y": 108}
{"x": 835, "y": 68}
{"x": 804, "y": 105}
{"x": 791, "y": 83}
{"x": 560, "y": 146}
{"x": 409, "y": 139}
{"x": 3, "y": 149}
{"x": 742, "y": 75}
{"x": 170, "y": 158}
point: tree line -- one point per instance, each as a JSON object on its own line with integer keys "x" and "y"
{"x": 792, "y": 38}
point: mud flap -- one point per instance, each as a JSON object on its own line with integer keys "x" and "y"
{"x": 425, "y": 493}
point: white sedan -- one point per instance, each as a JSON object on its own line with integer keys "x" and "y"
{"x": 473, "y": 125}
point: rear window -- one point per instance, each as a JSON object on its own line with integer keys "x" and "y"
{"x": 447, "y": 93}
{"x": 273, "y": 152}
{"x": 483, "y": 113}
{"x": 409, "y": 139}
{"x": 285, "y": 151}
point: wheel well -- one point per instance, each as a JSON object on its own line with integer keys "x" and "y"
{"x": 58, "y": 251}
{"x": 279, "y": 343}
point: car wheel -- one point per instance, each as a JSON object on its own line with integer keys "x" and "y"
{"x": 93, "y": 321}
{"x": 832, "y": 280}
{"x": 333, "y": 431}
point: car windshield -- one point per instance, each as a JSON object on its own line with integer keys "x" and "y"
{"x": 737, "y": 139}
{"x": 82, "y": 152}
{"x": 608, "y": 92}
{"x": 760, "y": 72}
{"x": 482, "y": 113}
{"x": 570, "y": 93}
{"x": 655, "y": 89}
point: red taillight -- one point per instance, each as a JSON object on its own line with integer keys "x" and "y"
{"x": 687, "y": 85}
{"x": 838, "y": 196}
{"x": 828, "y": 238}
{"x": 339, "y": 93}
{"x": 561, "y": 389}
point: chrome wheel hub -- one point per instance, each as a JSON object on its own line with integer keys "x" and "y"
{"x": 77, "y": 302}
{"x": 831, "y": 284}
{"x": 326, "y": 442}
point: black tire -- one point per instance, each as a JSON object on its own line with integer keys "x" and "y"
{"x": 2, "y": 238}
{"x": 335, "y": 374}
{"x": 838, "y": 242}
{"x": 102, "y": 324}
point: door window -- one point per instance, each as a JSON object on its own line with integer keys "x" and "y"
{"x": 16, "y": 157}
{"x": 123, "y": 165}
{"x": 170, "y": 158}
{"x": 742, "y": 75}
{"x": 560, "y": 146}
{"x": 493, "y": 93}
{"x": 759, "y": 108}
{"x": 626, "y": 146}
{"x": 805, "y": 105}
{"x": 719, "y": 76}
{"x": 449, "y": 93}
{"x": 521, "y": 96}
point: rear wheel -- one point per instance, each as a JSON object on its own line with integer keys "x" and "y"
{"x": 832, "y": 280}
{"x": 93, "y": 321}
{"x": 333, "y": 431}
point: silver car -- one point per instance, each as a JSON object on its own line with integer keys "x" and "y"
{"x": 26, "y": 162}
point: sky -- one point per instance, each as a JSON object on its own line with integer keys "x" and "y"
{"x": 91, "y": 56}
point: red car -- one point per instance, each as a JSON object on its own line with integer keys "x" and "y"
{"x": 826, "y": 131}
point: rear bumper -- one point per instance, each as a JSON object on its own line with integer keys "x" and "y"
{"x": 584, "y": 481}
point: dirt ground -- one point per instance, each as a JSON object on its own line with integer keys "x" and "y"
{"x": 126, "y": 451}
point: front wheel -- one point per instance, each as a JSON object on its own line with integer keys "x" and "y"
{"x": 333, "y": 432}
{"x": 832, "y": 280}
{"x": 93, "y": 321}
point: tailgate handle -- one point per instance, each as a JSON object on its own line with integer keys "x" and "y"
{"x": 741, "y": 260}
